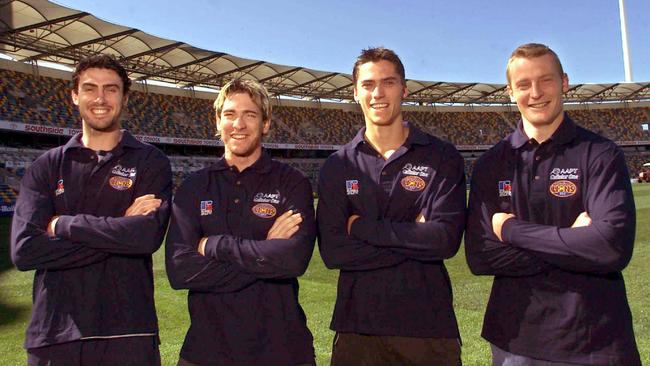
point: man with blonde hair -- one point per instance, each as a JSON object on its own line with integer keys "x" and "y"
{"x": 552, "y": 218}
{"x": 241, "y": 231}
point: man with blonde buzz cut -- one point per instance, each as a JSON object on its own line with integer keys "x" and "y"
{"x": 241, "y": 231}
{"x": 552, "y": 218}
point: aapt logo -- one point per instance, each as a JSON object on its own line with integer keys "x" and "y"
{"x": 264, "y": 210}
{"x": 413, "y": 183}
{"x": 563, "y": 188}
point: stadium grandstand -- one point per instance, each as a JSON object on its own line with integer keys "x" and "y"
{"x": 314, "y": 112}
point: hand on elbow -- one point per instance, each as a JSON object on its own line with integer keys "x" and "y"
{"x": 201, "y": 247}
{"x": 351, "y": 221}
{"x": 143, "y": 205}
{"x": 51, "y": 227}
{"x": 498, "y": 219}
{"x": 582, "y": 220}
{"x": 285, "y": 226}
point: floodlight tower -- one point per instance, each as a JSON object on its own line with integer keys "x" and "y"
{"x": 626, "y": 48}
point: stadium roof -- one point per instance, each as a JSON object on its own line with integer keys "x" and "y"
{"x": 38, "y": 30}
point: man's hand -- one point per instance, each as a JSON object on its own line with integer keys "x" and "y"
{"x": 497, "y": 222}
{"x": 51, "y": 227}
{"x": 351, "y": 220}
{"x": 201, "y": 247}
{"x": 285, "y": 226}
{"x": 143, "y": 205}
{"x": 582, "y": 220}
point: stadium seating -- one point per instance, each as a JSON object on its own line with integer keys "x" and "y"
{"x": 8, "y": 195}
{"x": 42, "y": 100}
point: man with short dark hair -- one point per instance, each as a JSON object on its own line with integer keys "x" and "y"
{"x": 88, "y": 217}
{"x": 241, "y": 231}
{"x": 391, "y": 208}
{"x": 552, "y": 217}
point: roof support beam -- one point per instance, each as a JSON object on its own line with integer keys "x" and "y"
{"x": 153, "y": 51}
{"x": 493, "y": 92}
{"x": 75, "y": 16}
{"x": 82, "y": 44}
{"x": 334, "y": 91}
{"x": 328, "y": 76}
{"x": 457, "y": 91}
{"x": 637, "y": 92}
{"x": 290, "y": 71}
{"x": 432, "y": 86}
{"x": 220, "y": 75}
{"x": 195, "y": 62}
{"x": 601, "y": 92}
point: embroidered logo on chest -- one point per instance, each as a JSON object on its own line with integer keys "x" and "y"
{"x": 565, "y": 174}
{"x": 416, "y": 170}
{"x": 264, "y": 210}
{"x": 59, "y": 188}
{"x": 505, "y": 188}
{"x": 563, "y": 188}
{"x": 124, "y": 172}
{"x": 122, "y": 178}
{"x": 206, "y": 208}
{"x": 120, "y": 183}
{"x": 267, "y": 197}
{"x": 352, "y": 187}
{"x": 413, "y": 183}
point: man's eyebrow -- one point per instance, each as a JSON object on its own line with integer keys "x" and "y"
{"x": 96, "y": 85}
{"x": 390, "y": 78}
{"x": 233, "y": 110}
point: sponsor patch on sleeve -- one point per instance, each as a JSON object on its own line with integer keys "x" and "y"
{"x": 352, "y": 187}
{"x": 206, "y": 208}
{"x": 505, "y": 188}
{"x": 60, "y": 189}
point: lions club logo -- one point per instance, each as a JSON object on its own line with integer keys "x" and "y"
{"x": 264, "y": 210}
{"x": 413, "y": 183}
{"x": 120, "y": 183}
{"x": 563, "y": 188}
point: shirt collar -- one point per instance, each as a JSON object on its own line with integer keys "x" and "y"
{"x": 127, "y": 140}
{"x": 262, "y": 165}
{"x": 564, "y": 133}
{"x": 416, "y": 136}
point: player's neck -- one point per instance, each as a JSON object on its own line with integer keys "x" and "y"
{"x": 387, "y": 138}
{"x": 542, "y": 132}
{"x": 100, "y": 140}
{"x": 242, "y": 162}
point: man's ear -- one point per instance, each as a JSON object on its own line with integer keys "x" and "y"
{"x": 266, "y": 126}
{"x": 217, "y": 124}
{"x": 75, "y": 97}
{"x": 511, "y": 94}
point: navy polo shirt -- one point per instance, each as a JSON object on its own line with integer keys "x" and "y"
{"x": 94, "y": 279}
{"x": 392, "y": 277}
{"x": 243, "y": 297}
{"x": 558, "y": 292}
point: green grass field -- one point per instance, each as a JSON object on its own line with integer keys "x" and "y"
{"x": 317, "y": 295}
